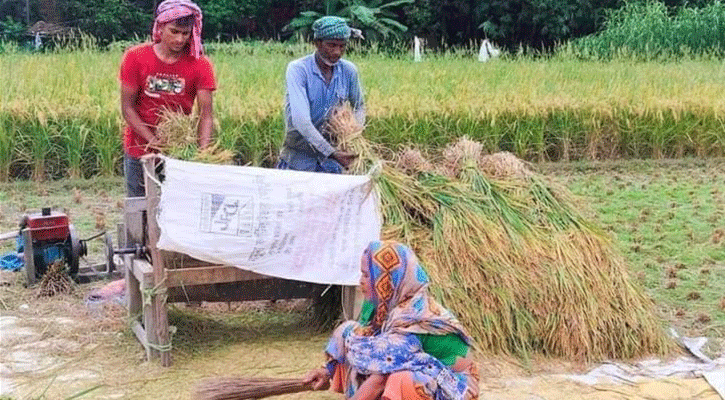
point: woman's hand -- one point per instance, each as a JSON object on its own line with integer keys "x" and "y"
{"x": 372, "y": 388}
{"x": 462, "y": 364}
{"x": 318, "y": 379}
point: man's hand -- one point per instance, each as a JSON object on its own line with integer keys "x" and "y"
{"x": 206, "y": 117}
{"x": 318, "y": 379}
{"x": 153, "y": 143}
{"x": 344, "y": 158}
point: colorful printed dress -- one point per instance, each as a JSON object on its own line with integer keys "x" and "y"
{"x": 390, "y": 343}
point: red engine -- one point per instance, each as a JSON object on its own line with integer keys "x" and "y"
{"x": 48, "y": 225}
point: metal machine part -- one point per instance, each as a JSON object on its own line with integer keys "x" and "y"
{"x": 48, "y": 237}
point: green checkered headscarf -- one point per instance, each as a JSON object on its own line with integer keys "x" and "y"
{"x": 331, "y": 27}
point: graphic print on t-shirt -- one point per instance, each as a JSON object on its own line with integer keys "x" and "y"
{"x": 159, "y": 84}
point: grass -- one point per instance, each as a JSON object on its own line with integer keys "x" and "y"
{"x": 668, "y": 218}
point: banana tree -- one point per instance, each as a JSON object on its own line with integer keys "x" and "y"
{"x": 374, "y": 17}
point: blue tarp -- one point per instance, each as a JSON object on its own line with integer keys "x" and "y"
{"x": 11, "y": 261}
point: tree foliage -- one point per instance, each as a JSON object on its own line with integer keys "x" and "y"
{"x": 375, "y": 18}
{"x": 11, "y": 29}
{"x": 531, "y": 23}
{"x": 539, "y": 24}
{"x": 108, "y": 20}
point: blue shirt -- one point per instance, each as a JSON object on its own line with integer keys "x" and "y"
{"x": 310, "y": 99}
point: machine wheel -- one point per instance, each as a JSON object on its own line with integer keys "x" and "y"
{"x": 77, "y": 250}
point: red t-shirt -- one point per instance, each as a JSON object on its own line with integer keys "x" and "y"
{"x": 160, "y": 85}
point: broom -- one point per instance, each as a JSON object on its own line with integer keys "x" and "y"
{"x": 241, "y": 388}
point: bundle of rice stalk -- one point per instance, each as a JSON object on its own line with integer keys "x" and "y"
{"x": 177, "y": 138}
{"x": 213, "y": 154}
{"x": 455, "y": 155}
{"x": 55, "y": 280}
{"x": 241, "y": 388}
{"x": 347, "y": 133}
{"x": 511, "y": 256}
{"x": 524, "y": 270}
{"x": 175, "y": 129}
{"x": 411, "y": 161}
{"x": 503, "y": 165}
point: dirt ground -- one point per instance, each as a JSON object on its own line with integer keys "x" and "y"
{"x": 66, "y": 346}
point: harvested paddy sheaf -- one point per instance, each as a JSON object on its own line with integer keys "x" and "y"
{"x": 177, "y": 137}
{"x": 55, "y": 281}
{"x": 510, "y": 255}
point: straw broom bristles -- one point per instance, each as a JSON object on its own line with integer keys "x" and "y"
{"x": 242, "y": 388}
{"x": 511, "y": 256}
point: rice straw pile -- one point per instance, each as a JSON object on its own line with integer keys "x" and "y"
{"x": 510, "y": 255}
{"x": 55, "y": 280}
{"x": 241, "y": 388}
{"x": 177, "y": 134}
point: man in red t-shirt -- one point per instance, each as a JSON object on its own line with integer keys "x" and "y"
{"x": 170, "y": 73}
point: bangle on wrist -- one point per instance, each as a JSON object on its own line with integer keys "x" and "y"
{"x": 330, "y": 368}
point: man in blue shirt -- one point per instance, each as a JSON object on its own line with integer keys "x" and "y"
{"x": 316, "y": 84}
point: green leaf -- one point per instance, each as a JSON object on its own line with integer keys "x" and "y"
{"x": 396, "y": 3}
{"x": 365, "y": 15}
{"x": 395, "y": 24}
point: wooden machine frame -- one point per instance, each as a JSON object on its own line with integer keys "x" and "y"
{"x": 175, "y": 277}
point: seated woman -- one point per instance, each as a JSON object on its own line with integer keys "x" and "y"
{"x": 406, "y": 346}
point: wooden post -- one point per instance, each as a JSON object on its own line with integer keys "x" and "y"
{"x": 133, "y": 288}
{"x": 352, "y": 300}
{"x": 158, "y": 302}
{"x": 29, "y": 257}
{"x": 133, "y": 219}
{"x": 136, "y": 308}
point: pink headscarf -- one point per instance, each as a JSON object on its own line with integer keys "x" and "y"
{"x": 171, "y": 10}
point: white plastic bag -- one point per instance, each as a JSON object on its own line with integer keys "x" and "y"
{"x": 487, "y": 51}
{"x": 417, "y": 49}
{"x": 304, "y": 226}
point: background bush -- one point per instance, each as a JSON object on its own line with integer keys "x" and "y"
{"x": 530, "y": 24}
{"x": 652, "y": 30}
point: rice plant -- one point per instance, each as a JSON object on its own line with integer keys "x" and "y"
{"x": 75, "y": 145}
{"x": 7, "y": 141}
{"x": 36, "y": 145}
{"x": 106, "y": 144}
{"x": 540, "y": 109}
